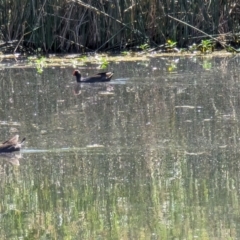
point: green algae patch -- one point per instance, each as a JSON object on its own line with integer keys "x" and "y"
{"x": 100, "y": 60}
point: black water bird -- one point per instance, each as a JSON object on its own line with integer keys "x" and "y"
{"x": 99, "y": 77}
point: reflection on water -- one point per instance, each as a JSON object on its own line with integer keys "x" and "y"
{"x": 12, "y": 158}
{"x": 152, "y": 157}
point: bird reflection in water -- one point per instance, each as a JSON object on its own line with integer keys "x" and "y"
{"x": 12, "y": 158}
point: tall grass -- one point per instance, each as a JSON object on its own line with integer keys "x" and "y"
{"x": 78, "y": 26}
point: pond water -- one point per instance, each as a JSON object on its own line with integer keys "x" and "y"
{"x": 154, "y": 154}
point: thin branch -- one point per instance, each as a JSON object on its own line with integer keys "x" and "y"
{"x": 205, "y": 34}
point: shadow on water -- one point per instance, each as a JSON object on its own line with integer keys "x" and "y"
{"x": 154, "y": 154}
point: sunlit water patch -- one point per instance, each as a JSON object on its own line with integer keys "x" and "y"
{"x": 153, "y": 154}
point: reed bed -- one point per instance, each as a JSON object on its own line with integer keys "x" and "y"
{"x": 90, "y": 25}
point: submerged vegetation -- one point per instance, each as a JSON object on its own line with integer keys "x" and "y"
{"x": 85, "y": 25}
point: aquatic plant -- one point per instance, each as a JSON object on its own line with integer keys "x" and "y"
{"x": 206, "y": 46}
{"x": 170, "y": 45}
{"x": 40, "y": 63}
{"x": 144, "y": 46}
{"x": 103, "y": 62}
{"x": 125, "y": 53}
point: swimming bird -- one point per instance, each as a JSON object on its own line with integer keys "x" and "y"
{"x": 99, "y": 77}
{"x": 11, "y": 145}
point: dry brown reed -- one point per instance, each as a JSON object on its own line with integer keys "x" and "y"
{"x": 89, "y": 25}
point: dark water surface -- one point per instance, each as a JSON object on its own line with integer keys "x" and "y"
{"x": 155, "y": 154}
